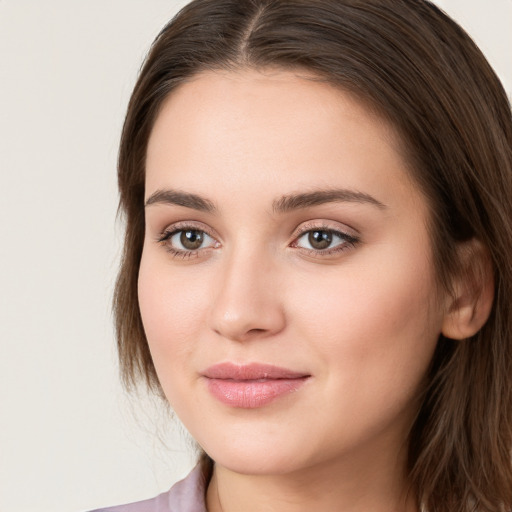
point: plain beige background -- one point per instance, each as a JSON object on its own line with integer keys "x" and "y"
{"x": 70, "y": 438}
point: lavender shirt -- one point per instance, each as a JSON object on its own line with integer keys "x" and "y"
{"x": 187, "y": 495}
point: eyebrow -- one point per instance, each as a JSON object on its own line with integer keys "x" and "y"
{"x": 181, "y": 199}
{"x": 284, "y": 204}
{"x": 307, "y": 199}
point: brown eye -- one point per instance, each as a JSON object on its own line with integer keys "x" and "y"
{"x": 323, "y": 241}
{"x": 191, "y": 239}
{"x": 183, "y": 241}
{"x": 320, "y": 239}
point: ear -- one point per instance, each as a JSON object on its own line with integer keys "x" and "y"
{"x": 473, "y": 292}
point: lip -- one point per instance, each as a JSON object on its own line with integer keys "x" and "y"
{"x": 249, "y": 386}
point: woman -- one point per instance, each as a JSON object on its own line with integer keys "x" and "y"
{"x": 316, "y": 270}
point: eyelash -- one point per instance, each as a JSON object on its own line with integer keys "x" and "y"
{"x": 349, "y": 241}
{"x": 167, "y": 234}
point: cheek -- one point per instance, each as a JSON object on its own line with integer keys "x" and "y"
{"x": 172, "y": 308}
{"x": 375, "y": 326}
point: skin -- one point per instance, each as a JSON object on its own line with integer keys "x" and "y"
{"x": 362, "y": 321}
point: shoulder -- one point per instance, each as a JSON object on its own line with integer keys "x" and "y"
{"x": 187, "y": 495}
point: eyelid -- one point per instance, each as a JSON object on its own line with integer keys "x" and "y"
{"x": 187, "y": 224}
{"x": 348, "y": 239}
{"x": 165, "y": 236}
{"x": 325, "y": 225}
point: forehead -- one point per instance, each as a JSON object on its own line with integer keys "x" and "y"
{"x": 273, "y": 98}
{"x": 242, "y": 128}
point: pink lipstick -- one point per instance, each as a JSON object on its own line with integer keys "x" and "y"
{"x": 252, "y": 385}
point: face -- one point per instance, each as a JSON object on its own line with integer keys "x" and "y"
{"x": 286, "y": 284}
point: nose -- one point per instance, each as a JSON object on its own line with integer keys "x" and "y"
{"x": 247, "y": 303}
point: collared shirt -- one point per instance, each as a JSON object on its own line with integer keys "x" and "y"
{"x": 187, "y": 495}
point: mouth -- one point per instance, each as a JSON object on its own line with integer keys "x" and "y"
{"x": 252, "y": 385}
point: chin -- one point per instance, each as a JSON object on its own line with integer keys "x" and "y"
{"x": 257, "y": 457}
{"x": 257, "y": 464}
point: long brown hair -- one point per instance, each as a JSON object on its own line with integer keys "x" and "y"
{"x": 424, "y": 74}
